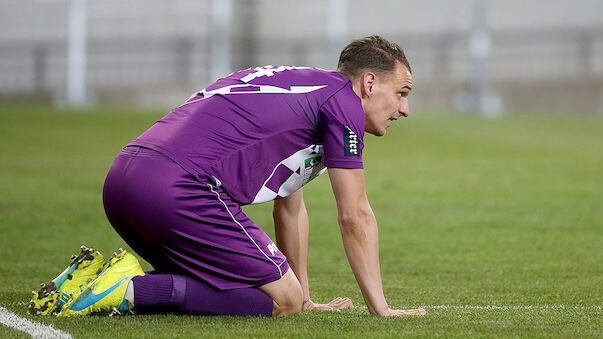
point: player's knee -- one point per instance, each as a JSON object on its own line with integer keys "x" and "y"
{"x": 292, "y": 303}
{"x": 286, "y": 293}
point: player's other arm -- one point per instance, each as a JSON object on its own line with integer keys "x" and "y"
{"x": 291, "y": 228}
{"x": 291, "y": 231}
{"x": 360, "y": 238}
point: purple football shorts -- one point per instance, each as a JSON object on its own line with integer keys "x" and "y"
{"x": 186, "y": 224}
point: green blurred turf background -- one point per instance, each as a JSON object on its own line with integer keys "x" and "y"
{"x": 472, "y": 211}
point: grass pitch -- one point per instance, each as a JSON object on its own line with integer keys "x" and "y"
{"x": 496, "y": 226}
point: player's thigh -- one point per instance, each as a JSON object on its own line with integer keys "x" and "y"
{"x": 195, "y": 227}
{"x": 233, "y": 250}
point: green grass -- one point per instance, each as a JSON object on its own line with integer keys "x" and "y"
{"x": 505, "y": 212}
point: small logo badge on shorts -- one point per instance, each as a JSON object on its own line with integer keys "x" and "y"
{"x": 272, "y": 248}
{"x": 350, "y": 142}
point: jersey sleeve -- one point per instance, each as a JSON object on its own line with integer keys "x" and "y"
{"x": 342, "y": 122}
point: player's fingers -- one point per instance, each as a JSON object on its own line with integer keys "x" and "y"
{"x": 420, "y": 311}
{"x": 339, "y": 300}
{"x": 416, "y": 311}
{"x": 323, "y": 307}
{"x": 342, "y": 304}
{"x": 335, "y": 301}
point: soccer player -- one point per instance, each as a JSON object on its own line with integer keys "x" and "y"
{"x": 174, "y": 194}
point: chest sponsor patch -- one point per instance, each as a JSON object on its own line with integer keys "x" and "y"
{"x": 350, "y": 143}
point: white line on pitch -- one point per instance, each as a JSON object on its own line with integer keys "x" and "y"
{"x": 493, "y": 307}
{"x": 36, "y": 330}
{"x": 525, "y": 307}
{"x": 16, "y": 303}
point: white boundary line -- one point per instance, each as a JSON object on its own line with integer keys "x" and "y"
{"x": 36, "y": 330}
{"x": 526, "y": 307}
{"x": 41, "y": 331}
{"x": 502, "y": 308}
{"x": 17, "y": 303}
{"x": 467, "y": 307}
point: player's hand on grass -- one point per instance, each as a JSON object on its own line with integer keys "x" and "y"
{"x": 403, "y": 313}
{"x": 337, "y": 304}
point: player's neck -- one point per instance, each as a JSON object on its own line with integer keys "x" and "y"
{"x": 356, "y": 87}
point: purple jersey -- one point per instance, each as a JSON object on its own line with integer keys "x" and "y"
{"x": 264, "y": 132}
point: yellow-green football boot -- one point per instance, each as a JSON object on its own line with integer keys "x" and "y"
{"x": 81, "y": 270}
{"x": 106, "y": 293}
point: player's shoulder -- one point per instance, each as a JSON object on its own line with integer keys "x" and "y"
{"x": 318, "y": 73}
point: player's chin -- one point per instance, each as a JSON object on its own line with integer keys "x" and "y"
{"x": 376, "y": 131}
{"x": 380, "y": 132}
{"x": 383, "y": 130}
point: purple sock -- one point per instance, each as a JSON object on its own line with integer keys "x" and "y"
{"x": 156, "y": 292}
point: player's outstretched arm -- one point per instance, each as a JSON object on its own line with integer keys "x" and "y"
{"x": 360, "y": 238}
{"x": 291, "y": 229}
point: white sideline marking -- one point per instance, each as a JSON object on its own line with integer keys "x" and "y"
{"x": 527, "y": 307}
{"x": 17, "y": 303}
{"x": 36, "y": 330}
{"x": 504, "y": 308}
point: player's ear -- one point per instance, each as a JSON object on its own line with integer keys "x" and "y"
{"x": 368, "y": 80}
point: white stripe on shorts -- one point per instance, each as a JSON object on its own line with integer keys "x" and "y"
{"x": 244, "y": 230}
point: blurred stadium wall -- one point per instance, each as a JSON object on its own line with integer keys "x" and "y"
{"x": 524, "y": 55}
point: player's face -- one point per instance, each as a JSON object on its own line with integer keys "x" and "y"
{"x": 386, "y": 99}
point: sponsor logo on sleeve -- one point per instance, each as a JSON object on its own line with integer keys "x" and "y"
{"x": 350, "y": 143}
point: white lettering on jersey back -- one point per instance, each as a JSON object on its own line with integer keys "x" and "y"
{"x": 268, "y": 71}
{"x": 253, "y": 89}
{"x": 264, "y": 89}
{"x": 305, "y": 165}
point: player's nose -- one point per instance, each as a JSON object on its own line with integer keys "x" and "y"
{"x": 404, "y": 110}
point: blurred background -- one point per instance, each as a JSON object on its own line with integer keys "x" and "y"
{"x": 467, "y": 55}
